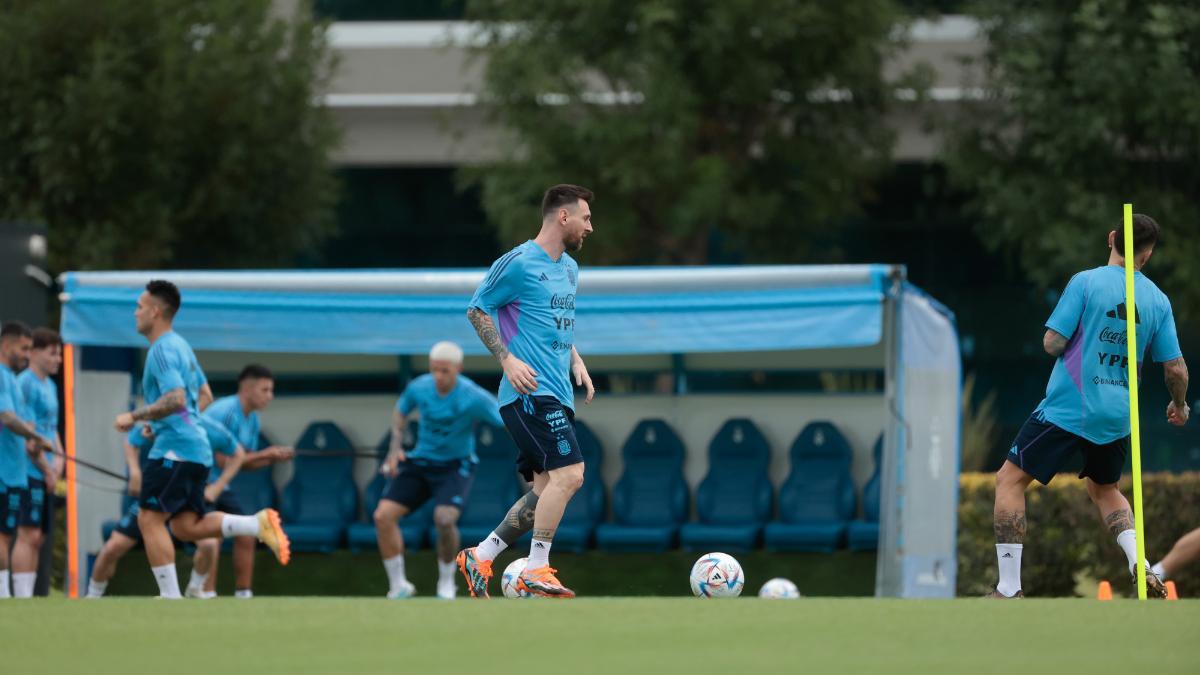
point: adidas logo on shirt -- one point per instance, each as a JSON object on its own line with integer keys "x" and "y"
{"x": 543, "y": 277}
{"x": 1121, "y": 313}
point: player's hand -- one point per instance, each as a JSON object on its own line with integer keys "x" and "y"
{"x": 147, "y": 432}
{"x": 135, "y": 483}
{"x": 1177, "y": 415}
{"x": 211, "y": 492}
{"x": 391, "y": 464}
{"x": 124, "y": 422}
{"x": 582, "y": 379}
{"x": 281, "y": 453}
{"x": 39, "y": 444}
{"x": 520, "y": 375}
{"x": 51, "y": 482}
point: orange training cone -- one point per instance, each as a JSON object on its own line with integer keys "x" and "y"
{"x": 1171, "y": 593}
{"x": 1105, "y": 591}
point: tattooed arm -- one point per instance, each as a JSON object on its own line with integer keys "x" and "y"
{"x": 168, "y": 404}
{"x": 1054, "y": 343}
{"x": 522, "y": 378}
{"x": 1176, "y": 374}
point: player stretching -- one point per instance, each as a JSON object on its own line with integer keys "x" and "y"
{"x": 16, "y": 454}
{"x": 239, "y": 414}
{"x": 1086, "y": 409}
{"x": 531, "y": 292}
{"x": 175, "y": 475}
{"x": 440, "y": 467}
{"x": 41, "y": 402}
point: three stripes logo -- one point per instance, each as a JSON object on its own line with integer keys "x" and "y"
{"x": 543, "y": 277}
{"x": 1121, "y": 313}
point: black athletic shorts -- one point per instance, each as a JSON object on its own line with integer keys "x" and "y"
{"x": 544, "y": 431}
{"x": 1041, "y": 449}
{"x": 419, "y": 480}
{"x": 227, "y": 502}
{"x": 171, "y": 486}
{"x": 35, "y": 506}
{"x": 10, "y": 509}
{"x": 128, "y": 524}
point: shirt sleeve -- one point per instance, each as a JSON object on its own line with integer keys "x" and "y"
{"x": 407, "y": 401}
{"x": 1165, "y": 343}
{"x": 31, "y": 393}
{"x": 159, "y": 365}
{"x": 8, "y": 402}
{"x": 137, "y": 440}
{"x": 487, "y": 408}
{"x": 501, "y": 285}
{"x": 219, "y": 437}
{"x": 1065, "y": 318}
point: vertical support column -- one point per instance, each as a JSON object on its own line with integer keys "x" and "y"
{"x": 72, "y": 491}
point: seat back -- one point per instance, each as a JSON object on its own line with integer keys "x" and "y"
{"x": 871, "y": 489}
{"x": 256, "y": 489}
{"x": 322, "y": 489}
{"x": 496, "y": 485}
{"x": 818, "y": 487}
{"x": 737, "y": 489}
{"x": 651, "y": 490}
{"x": 587, "y": 506}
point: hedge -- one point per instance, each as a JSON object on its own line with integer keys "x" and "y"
{"x": 1068, "y": 549}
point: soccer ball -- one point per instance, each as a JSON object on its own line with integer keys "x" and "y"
{"x": 508, "y": 580}
{"x": 779, "y": 589}
{"x": 717, "y": 575}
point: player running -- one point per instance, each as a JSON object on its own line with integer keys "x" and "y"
{"x": 239, "y": 414}
{"x": 20, "y": 446}
{"x": 41, "y": 403}
{"x": 174, "y": 479}
{"x": 1086, "y": 409}
{"x": 440, "y": 467}
{"x": 531, "y": 293}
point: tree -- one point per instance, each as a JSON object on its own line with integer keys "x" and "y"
{"x": 1089, "y": 104}
{"x": 173, "y": 132}
{"x": 758, "y": 123}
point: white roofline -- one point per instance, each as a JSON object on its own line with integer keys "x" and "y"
{"x": 464, "y": 282}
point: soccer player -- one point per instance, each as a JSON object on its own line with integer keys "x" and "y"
{"x": 174, "y": 478}
{"x": 440, "y": 467}
{"x": 1086, "y": 409}
{"x": 1184, "y": 552}
{"x": 20, "y": 446}
{"x": 41, "y": 401}
{"x": 239, "y": 414}
{"x": 531, "y": 293}
{"x": 138, "y": 443}
{"x": 228, "y": 458}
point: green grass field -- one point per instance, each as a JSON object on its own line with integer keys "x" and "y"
{"x": 601, "y": 635}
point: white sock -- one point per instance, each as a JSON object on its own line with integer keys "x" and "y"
{"x": 539, "y": 554}
{"x": 22, "y": 583}
{"x": 446, "y": 570}
{"x": 243, "y": 593}
{"x": 1127, "y": 540}
{"x": 491, "y": 546}
{"x": 96, "y": 588}
{"x": 395, "y": 572}
{"x": 4, "y": 584}
{"x": 239, "y": 526}
{"x": 168, "y": 582}
{"x": 1159, "y": 570}
{"x": 1008, "y": 557}
{"x": 197, "y": 580}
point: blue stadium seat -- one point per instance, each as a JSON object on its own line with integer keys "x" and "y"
{"x": 495, "y": 489}
{"x": 361, "y": 534}
{"x": 734, "y": 499}
{"x": 863, "y": 535}
{"x": 650, "y": 501}
{"x": 256, "y": 489}
{"x": 817, "y": 499}
{"x": 321, "y": 499}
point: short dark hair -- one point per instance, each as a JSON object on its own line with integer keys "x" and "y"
{"x": 1145, "y": 234}
{"x": 45, "y": 337}
{"x": 255, "y": 371}
{"x": 563, "y": 195}
{"x": 14, "y": 329}
{"x": 166, "y": 292}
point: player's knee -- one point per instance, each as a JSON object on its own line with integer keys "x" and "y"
{"x": 387, "y": 513}
{"x": 33, "y": 536}
{"x": 1098, "y": 491}
{"x": 1010, "y": 477}
{"x": 568, "y": 478}
{"x": 445, "y": 517}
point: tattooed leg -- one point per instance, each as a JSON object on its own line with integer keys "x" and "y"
{"x": 519, "y": 519}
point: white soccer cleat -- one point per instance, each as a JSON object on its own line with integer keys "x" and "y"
{"x": 405, "y": 591}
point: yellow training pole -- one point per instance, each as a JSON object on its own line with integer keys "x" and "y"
{"x": 1134, "y": 426}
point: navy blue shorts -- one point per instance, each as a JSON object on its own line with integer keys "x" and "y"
{"x": 544, "y": 431}
{"x": 128, "y": 524}
{"x": 171, "y": 486}
{"x": 10, "y": 509}
{"x": 227, "y": 502}
{"x": 419, "y": 480}
{"x": 35, "y": 506}
{"x": 1041, "y": 449}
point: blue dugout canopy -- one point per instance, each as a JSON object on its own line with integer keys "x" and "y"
{"x": 620, "y": 311}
